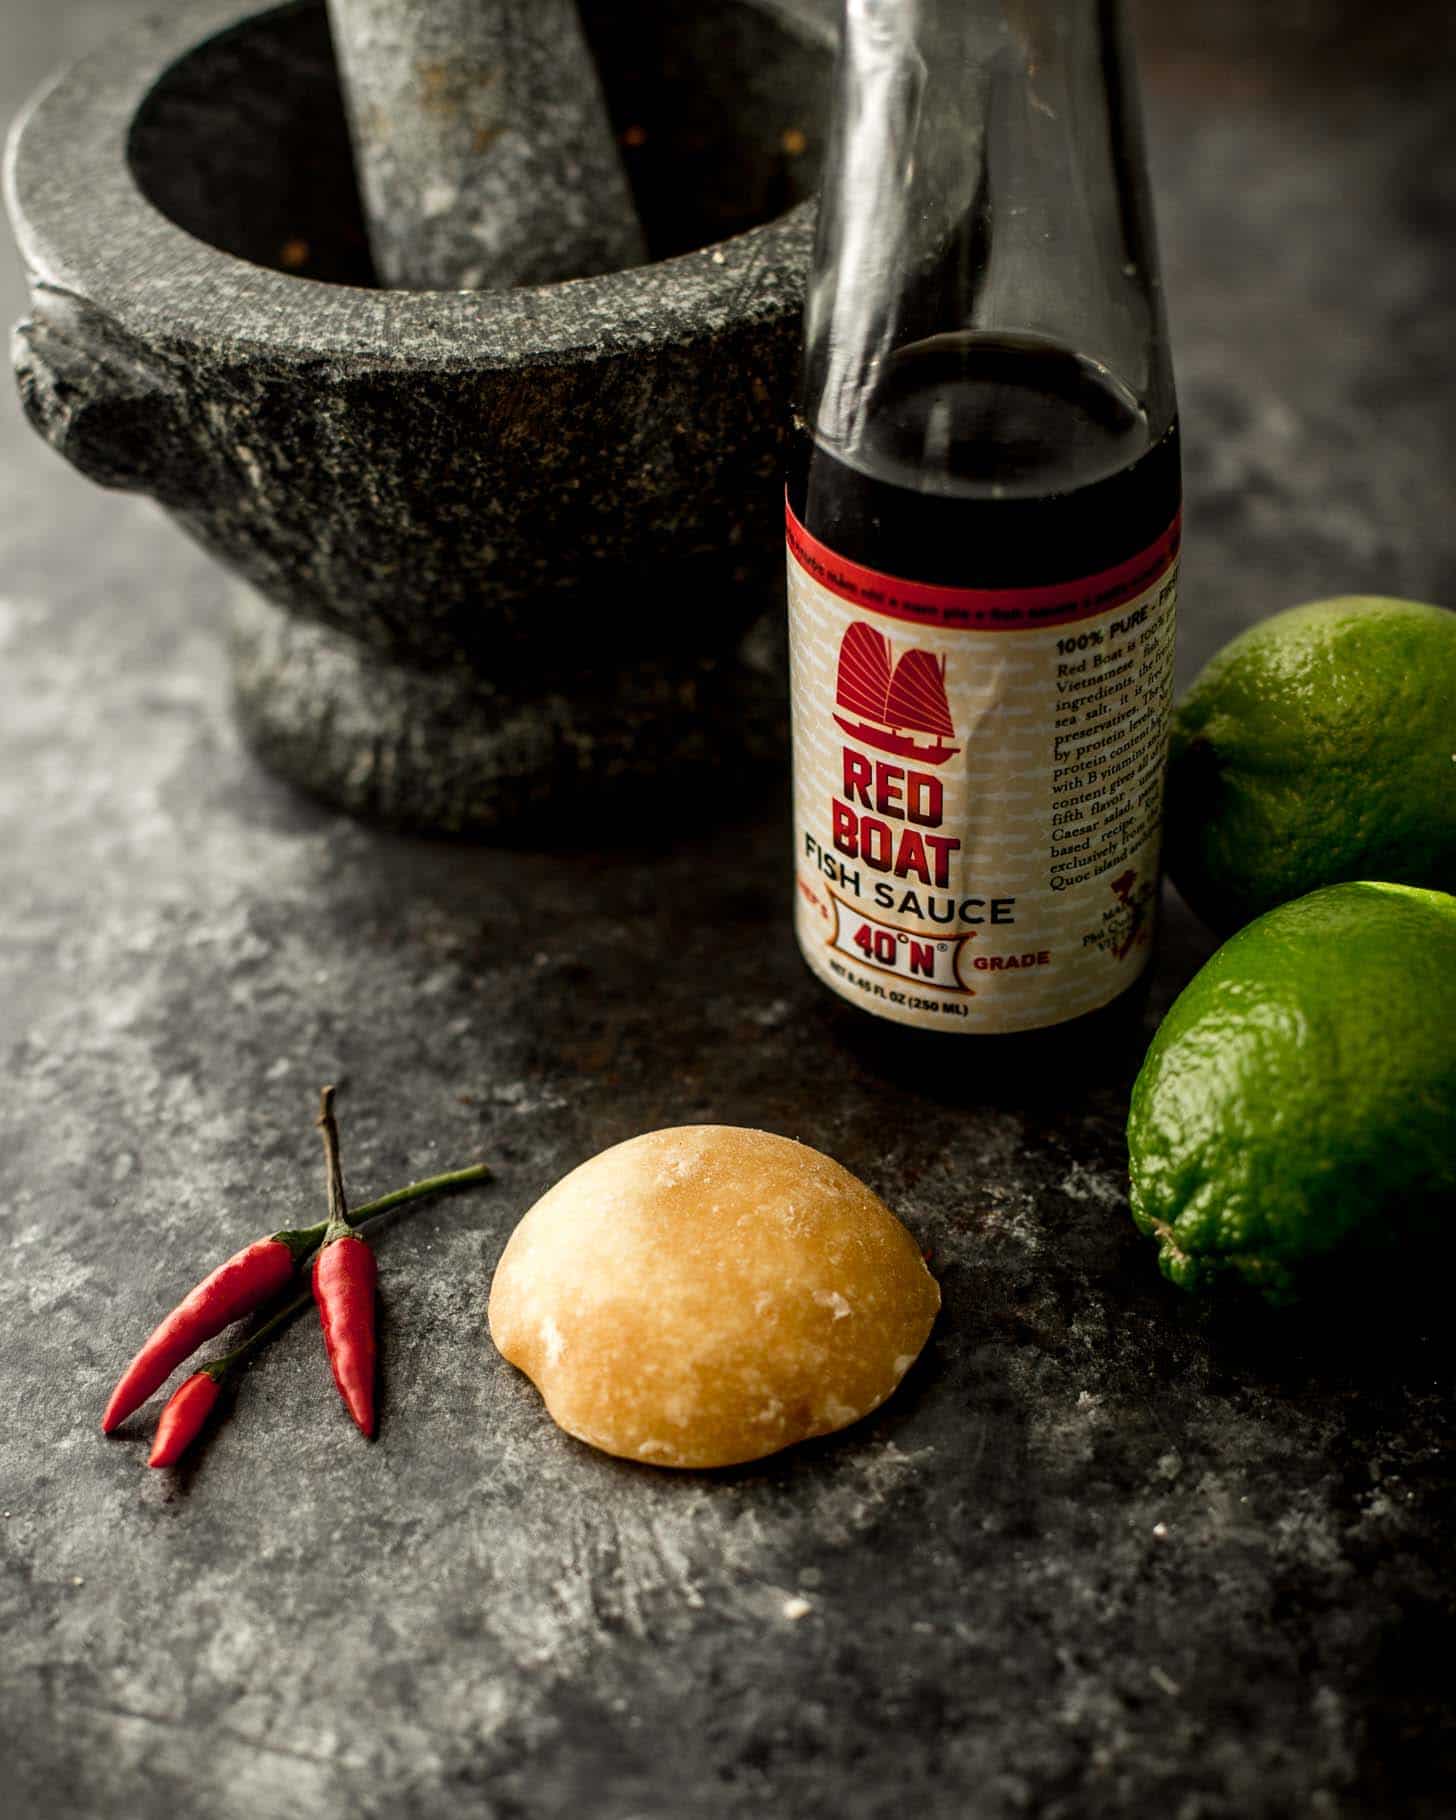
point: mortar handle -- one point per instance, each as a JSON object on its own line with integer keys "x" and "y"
{"x": 109, "y": 406}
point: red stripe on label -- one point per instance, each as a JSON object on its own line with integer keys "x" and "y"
{"x": 1060, "y": 603}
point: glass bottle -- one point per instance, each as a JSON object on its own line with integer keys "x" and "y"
{"x": 983, "y": 520}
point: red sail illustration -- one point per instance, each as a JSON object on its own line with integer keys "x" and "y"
{"x": 908, "y": 700}
{"x": 917, "y": 695}
{"x": 864, "y": 671}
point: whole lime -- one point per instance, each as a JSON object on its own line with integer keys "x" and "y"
{"x": 1300, "y": 1097}
{"x": 1318, "y": 746}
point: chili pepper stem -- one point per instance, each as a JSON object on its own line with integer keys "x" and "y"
{"x": 430, "y": 1184}
{"x": 338, "y": 1221}
{"x": 219, "y": 1368}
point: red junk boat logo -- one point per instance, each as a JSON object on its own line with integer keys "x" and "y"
{"x": 897, "y": 702}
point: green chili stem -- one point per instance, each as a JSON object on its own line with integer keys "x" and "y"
{"x": 218, "y": 1368}
{"x": 431, "y": 1184}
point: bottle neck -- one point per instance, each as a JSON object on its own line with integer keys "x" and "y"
{"x": 984, "y": 180}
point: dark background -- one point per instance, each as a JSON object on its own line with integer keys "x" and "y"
{"x": 1107, "y": 1554}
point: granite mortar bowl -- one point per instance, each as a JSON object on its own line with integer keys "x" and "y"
{"x": 495, "y": 553}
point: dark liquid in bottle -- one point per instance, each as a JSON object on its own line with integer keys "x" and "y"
{"x": 993, "y": 463}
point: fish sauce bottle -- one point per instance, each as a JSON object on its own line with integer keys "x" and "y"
{"x": 983, "y": 525}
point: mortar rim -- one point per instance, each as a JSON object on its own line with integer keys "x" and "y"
{"x": 66, "y": 167}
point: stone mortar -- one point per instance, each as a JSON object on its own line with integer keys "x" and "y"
{"x": 497, "y": 552}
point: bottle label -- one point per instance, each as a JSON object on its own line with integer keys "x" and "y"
{"x": 978, "y": 786}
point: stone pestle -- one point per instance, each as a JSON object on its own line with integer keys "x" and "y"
{"x": 482, "y": 145}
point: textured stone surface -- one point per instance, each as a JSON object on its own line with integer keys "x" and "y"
{"x": 484, "y": 151}
{"x": 1105, "y": 1556}
{"x": 533, "y": 485}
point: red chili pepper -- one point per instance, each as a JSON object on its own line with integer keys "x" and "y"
{"x": 189, "y": 1407}
{"x": 191, "y": 1404}
{"x": 344, "y": 1276}
{"x": 247, "y": 1280}
{"x": 240, "y": 1285}
{"x": 344, "y": 1291}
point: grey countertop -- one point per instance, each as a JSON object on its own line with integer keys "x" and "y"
{"x": 1106, "y": 1554}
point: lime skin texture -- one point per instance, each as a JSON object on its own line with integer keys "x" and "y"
{"x": 1299, "y": 1100}
{"x": 1316, "y": 747}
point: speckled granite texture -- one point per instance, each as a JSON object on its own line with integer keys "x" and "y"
{"x": 1104, "y": 1556}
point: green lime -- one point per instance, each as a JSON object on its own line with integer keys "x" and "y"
{"x": 1300, "y": 1096}
{"x": 1318, "y": 746}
